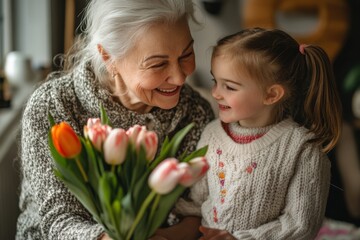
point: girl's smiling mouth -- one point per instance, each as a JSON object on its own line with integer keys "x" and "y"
{"x": 223, "y": 107}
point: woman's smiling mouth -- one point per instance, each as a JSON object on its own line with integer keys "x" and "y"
{"x": 168, "y": 91}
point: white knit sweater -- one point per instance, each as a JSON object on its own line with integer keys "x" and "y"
{"x": 274, "y": 187}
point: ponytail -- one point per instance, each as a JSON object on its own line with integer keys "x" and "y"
{"x": 322, "y": 106}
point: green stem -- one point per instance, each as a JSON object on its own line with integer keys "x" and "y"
{"x": 140, "y": 214}
{"x": 113, "y": 169}
{"x": 154, "y": 206}
{"x": 78, "y": 163}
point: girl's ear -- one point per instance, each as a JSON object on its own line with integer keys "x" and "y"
{"x": 274, "y": 94}
{"x": 105, "y": 56}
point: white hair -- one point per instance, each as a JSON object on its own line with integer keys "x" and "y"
{"x": 116, "y": 24}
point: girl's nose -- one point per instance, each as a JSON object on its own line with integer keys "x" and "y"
{"x": 216, "y": 93}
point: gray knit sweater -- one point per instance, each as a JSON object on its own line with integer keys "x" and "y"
{"x": 48, "y": 209}
{"x": 273, "y": 188}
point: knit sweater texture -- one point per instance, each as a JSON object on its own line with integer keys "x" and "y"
{"x": 48, "y": 209}
{"x": 274, "y": 187}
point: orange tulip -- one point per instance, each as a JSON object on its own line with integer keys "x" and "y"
{"x": 65, "y": 140}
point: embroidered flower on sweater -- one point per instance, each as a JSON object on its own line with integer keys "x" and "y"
{"x": 221, "y": 176}
{"x": 251, "y": 167}
{"x": 215, "y": 215}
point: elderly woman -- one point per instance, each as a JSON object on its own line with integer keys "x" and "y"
{"x": 133, "y": 58}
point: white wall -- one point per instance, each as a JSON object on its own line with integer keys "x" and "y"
{"x": 229, "y": 21}
{"x": 7, "y": 30}
{"x": 213, "y": 27}
{"x": 32, "y": 30}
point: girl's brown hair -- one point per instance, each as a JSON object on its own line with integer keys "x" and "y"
{"x": 274, "y": 57}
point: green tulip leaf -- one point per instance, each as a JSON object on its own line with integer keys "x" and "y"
{"x": 93, "y": 168}
{"x": 165, "y": 205}
{"x": 172, "y": 147}
{"x": 51, "y": 120}
{"x": 84, "y": 197}
{"x": 104, "y": 117}
{"x": 140, "y": 166}
{"x": 178, "y": 138}
{"x": 140, "y": 191}
{"x": 197, "y": 153}
{"x": 105, "y": 192}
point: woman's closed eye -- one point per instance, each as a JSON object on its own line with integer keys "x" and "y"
{"x": 186, "y": 56}
{"x": 158, "y": 65}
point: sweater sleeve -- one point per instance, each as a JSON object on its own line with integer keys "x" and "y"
{"x": 305, "y": 202}
{"x": 59, "y": 215}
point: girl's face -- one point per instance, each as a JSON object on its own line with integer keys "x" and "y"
{"x": 153, "y": 72}
{"x": 240, "y": 98}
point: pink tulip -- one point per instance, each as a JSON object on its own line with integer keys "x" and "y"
{"x": 186, "y": 174}
{"x": 96, "y": 132}
{"x": 140, "y": 136}
{"x": 115, "y": 146}
{"x": 149, "y": 140}
{"x": 93, "y": 121}
{"x": 134, "y": 132}
{"x": 165, "y": 176}
{"x": 193, "y": 171}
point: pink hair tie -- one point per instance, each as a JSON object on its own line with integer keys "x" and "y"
{"x": 302, "y": 48}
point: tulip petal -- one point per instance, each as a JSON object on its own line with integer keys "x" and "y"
{"x": 65, "y": 140}
{"x": 165, "y": 176}
{"x": 115, "y": 146}
{"x": 193, "y": 171}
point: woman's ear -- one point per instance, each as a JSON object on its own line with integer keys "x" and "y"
{"x": 274, "y": 94}
{"x": 105, "y": 56}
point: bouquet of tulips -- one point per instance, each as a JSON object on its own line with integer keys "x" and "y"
{"x": 114, "y": 173}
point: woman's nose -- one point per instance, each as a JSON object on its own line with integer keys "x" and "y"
{"x": 177, "y": 76}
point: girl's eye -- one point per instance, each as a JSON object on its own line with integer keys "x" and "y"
{"x": 230, "y": 88}
{"x": 214, "y": 81}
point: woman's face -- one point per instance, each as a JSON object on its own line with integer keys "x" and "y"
{"x": 154, "y": 70}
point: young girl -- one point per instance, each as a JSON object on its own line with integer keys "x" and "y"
{"x": 279, "y": 115}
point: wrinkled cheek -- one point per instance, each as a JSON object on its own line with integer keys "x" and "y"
{"x": 191, "y": 67}
{"x": 144, "y": 94}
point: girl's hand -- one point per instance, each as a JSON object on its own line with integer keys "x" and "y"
{"x": 215, "y": 234}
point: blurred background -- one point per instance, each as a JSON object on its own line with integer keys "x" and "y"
{"x": 33, "y": 32}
